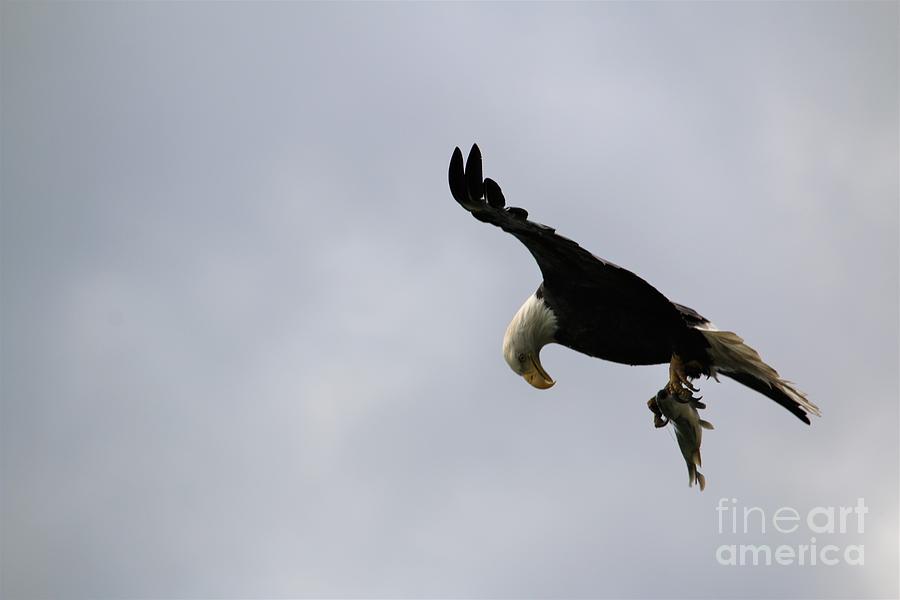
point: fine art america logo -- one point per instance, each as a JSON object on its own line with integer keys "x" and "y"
{"x": 786, "y": 525}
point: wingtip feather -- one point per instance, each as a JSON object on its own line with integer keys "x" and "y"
{"x": 457, "y": 177}
{"x": 493, "y": 193}
{"x": 474, "y": 175}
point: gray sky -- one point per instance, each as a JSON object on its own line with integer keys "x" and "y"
{"x": 251, "y": 346}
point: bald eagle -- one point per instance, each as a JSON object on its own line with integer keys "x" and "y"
{"x": 600, "y": 309}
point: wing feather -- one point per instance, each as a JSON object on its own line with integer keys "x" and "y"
{"x": 563, "y": 263}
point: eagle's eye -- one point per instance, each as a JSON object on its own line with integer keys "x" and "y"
{"x": 521, "y": 357}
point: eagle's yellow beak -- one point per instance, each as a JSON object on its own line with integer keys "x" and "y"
{"x": 536, "y": 375}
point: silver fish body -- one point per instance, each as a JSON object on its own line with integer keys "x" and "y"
{"x": 681, "y": 412}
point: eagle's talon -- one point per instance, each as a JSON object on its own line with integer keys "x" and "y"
{"x": 673, "y": 388}
{"x": 685, "y": 397}
{"x": 679, "y": 383}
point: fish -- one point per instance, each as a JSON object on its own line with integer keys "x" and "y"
{"x": 681, "y": 412}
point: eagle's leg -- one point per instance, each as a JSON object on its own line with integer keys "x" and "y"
{"x": 679, "y": 383}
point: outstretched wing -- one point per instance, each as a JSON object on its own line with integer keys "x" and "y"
{"x": 563, "y": 263}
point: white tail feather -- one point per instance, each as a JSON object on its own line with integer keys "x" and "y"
{"x": 731, "y": 355}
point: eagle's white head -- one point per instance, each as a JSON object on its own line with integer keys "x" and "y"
{"x": 533, "y": 327}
